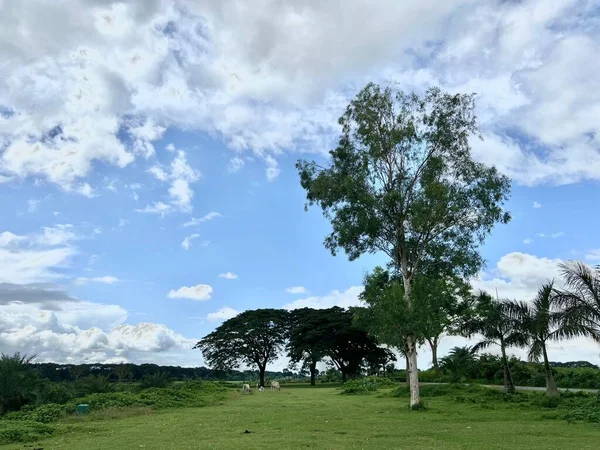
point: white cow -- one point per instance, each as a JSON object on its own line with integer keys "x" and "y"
{"x": 261, "y": 389}
{"x": 245, "y": 389}
{"x": 275, "y": 385}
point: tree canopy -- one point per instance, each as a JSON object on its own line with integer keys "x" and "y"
{"x": 253, "y": 337}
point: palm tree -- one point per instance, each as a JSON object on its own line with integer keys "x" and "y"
{"x": 459, "y": 362}
{"x": 580, "y": 301}
{"x": 492, "y": 320}
{"x": 18, "y": 382}
{"x": 543, "y": 321}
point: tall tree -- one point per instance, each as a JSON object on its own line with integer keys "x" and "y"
{"x": 580, "y": 301}
{"x": 253, "y": 338}
{"x": 493, "y": 321}
{"x": 306, "y": 345}
{"x": 402, "y": 181}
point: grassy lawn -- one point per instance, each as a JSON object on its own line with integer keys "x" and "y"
{"x": 321, "y": 418}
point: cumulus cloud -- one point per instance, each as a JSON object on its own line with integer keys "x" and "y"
{"x": 57, "y": 235}
{"x": 222, "y": 314}
{"x": 229, "y": 276}
{"x": 296, "y": 290}
{"x": 537, "y": 205}
{"x": 43, "y": 319}
{"x": 199, "y": 292}
{"x": 527, "y": 241}
{"x": 187, "y": 242}
{"x": 344, "y": 299}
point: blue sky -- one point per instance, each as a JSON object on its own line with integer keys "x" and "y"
{"x": 147, "y": 157}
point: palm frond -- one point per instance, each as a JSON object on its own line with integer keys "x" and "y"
{"x": 482, "y": 345}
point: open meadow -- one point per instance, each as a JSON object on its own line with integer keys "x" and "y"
{"x": 321, "y": 417}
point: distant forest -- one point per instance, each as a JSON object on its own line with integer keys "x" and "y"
{"x": 135, "y": 372}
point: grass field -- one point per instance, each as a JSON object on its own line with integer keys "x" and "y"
{"x": 321, "y": 418}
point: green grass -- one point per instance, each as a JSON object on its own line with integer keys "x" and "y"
{"x": 322, "y": 418}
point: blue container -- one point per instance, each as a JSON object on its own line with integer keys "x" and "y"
{"x": 80, "y": 410}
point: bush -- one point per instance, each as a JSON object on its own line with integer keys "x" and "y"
{"x": 95, "y": 384}
{"x": 47, "y": 413}
{"x": 156, "y": 380}
{"x": 366, "y": 385}
{"x": 60, "y": 393}
{"x": 13, "y": 431}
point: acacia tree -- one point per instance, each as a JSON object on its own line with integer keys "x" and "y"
{"x": 253, "y": 337}
{"x": 544, "y": 321}
{"x": 402, "y": 181}
{"x": 492, "y": 319}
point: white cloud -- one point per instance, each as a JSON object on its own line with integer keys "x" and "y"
{"x": 518, "y": 275}
{"x": 558, "y": 234}
{"x": 537, "y": 205}
{"x": 199, "y": 292}
{"x": 235, "y": 164}
{"x": 24, "y": 265}
{"x": 32, "y": 205}
{"x": 123, "y": 222}
{"x": 180, "y": 175}
{"x": 156, "y": 208}
{"x": 593, "y": 255}
{"x": 222, "y": 314}
{"x": 335, "y": 298}
{"x": 57, "y": 235}
{"x": 143, "y": 135}
{"x": 229, "y": 276}
{"x": 7, "y": 239}
{"x": 107, "y": 279}
{"x": 296, "y": 290}
{"x": 197, "y": 221}
{"x": 527, "y": 241}
{"x": 187, "y": 242}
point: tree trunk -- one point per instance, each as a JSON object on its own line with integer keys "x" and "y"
{"x": 407, "y": 369}
{"x": 551, "y": 389}
{"x": 261, "y": 371}
{"x": 433, "y": 343}
{"x": 344, "y": 377}
{"x": 411, "y": 345}
{"x": 509, "y": 387}
{"x": 313, "y": 369}
{"x": 413, "y": 372}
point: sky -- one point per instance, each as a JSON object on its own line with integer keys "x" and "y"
{"x": 147, "y": 152}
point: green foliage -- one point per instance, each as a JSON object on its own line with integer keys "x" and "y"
{"x": 46, "y": 413}
{"x": 158, "y": 380}
{"x": 459, "y": 363}
{"x": 18, "y": 382}
{"x": 366, "y": 385}
{"x": 60, "y": 393}
{"x": 17, "y": 431}
{"x": 95, "y": 384}
{"x": 254, "y": 337}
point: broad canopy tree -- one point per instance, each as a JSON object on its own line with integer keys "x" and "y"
{"x": 402, "y": 181}
{"x": 331, "y": 333}
{"x": 306, "y": 345}
{"x": 253, "y": 338}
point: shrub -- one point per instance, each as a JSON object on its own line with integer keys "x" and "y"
{"x": 95, "y": 384}
{"x": 47, "y": 413}
{"x": 156, "y": 380}
{"x": 366, "y": 385}
{"x": 22, "y": 431}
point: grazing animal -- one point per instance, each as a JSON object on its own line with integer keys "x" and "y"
{"x": 245, "y": 389}
{"x": 275, "y": 385}
{"x": 261, "y": 389}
